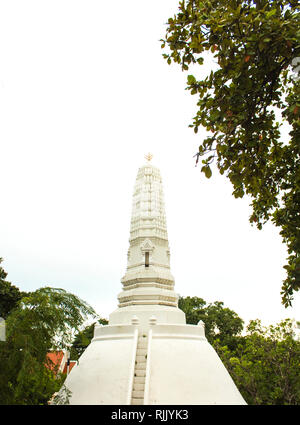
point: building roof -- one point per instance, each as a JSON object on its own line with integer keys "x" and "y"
{"x": 59, "y": 361}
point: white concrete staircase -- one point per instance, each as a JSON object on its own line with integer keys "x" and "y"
{"x": 138, "y": 387}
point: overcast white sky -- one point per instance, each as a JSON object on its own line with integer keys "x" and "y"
{"x": 84, "y": 94}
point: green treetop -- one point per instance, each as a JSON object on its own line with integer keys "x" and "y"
{"x": 256, "y": 45}
{"x": 44, "y": 320}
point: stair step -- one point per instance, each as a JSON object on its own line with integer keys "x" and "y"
{"x": 138, "y": 387}
{"x": 143, "y": 347}
{"x": 137, "y": 401}
{"x": 140, "y": 366}
{"x": 139, "y": 379}
{"x": 137, "y": 394}
{"x": 140, "y": 359}
{"x": 140, "y": 372}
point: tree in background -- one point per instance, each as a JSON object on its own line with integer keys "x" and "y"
{"x": 265, "y": 364}
{"x": 44, "y": 320}
{"x": 10, "y": 295}
{"x": 257, "y": 48}
{"x": 220, "y": 322}
{"x": 83, "y": 339}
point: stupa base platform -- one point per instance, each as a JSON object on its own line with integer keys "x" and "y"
{"x": 167, "y": 364}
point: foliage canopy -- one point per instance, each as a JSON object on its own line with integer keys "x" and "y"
{"x": 83, "y": 338}
{"x": 10, "y": 295}
{"x": 220, "y": 322}
{"x": 256, "y": 45}
{"x": 263, "y": 361}
{"x": 265, "y": 364}
{"x": 44, "y": 320}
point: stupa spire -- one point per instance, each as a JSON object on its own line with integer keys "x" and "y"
{"x": 148, "y": 280}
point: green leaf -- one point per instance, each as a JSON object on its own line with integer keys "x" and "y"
{"x": 271, "y": 13}
{"x": 207, "y": 171}
{"x": 191, "y": 79}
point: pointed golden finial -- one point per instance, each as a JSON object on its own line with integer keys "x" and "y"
{"x": 149, "y": 156}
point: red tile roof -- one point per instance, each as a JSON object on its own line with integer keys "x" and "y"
{"x": 58, "y": 360}
{"x": 55, "y": 358}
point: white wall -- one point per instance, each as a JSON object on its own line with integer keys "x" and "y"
{"x": 185, "y": 369}
{"x": 104, "y": 372}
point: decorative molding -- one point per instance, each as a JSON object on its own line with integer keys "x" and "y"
{"x": 147, "y": 246}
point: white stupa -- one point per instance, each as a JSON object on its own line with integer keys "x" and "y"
{"x": 148, "y": 354}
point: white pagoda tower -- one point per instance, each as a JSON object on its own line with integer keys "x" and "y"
{"x": 147, "y": 354}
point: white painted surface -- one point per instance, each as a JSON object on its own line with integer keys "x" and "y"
{"x": 103, "y": 374}
{"x": 153, "y": 284}
{"x": 182, "y": 368}
{"x": 144, "y": 312}
{"x": 149, "y": 290}
{"x": 185, "y": 369}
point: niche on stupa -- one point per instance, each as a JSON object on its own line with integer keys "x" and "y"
{"x": 147, "y": 249}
